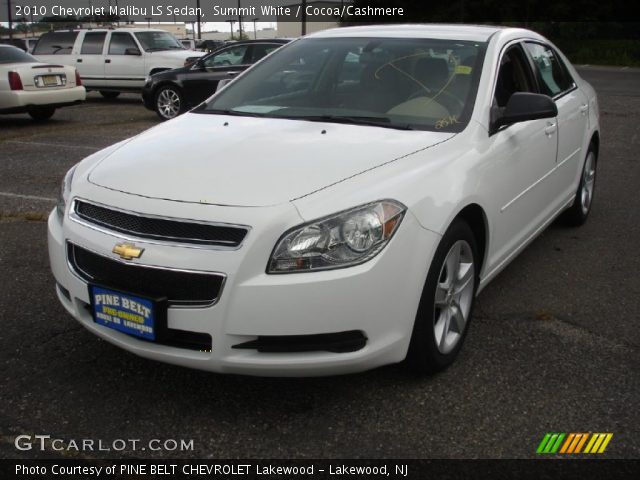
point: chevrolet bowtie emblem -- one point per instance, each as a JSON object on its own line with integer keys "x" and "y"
{"x": 127, "y": 251}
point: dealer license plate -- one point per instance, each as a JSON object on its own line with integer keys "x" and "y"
{"x": 123, "y": 312}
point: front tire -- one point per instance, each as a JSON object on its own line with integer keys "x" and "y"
{"x": 42, "y": 114}
{"x": 447, "y": 300}
{"x": 169, "y": 102}
{"x": 578, "y": 213}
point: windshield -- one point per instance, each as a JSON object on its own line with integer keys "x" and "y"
{"x": 389, "y": 82}
{"x": 15, "y": 55}
{"x": 151, "y": 41}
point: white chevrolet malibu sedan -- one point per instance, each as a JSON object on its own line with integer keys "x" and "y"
{"x": 335, "y": 208}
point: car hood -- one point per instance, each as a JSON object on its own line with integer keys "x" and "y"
{"x": 248, "y": 161}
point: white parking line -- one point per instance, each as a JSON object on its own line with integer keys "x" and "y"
{"x": 27, "y": 197}
{"x": 46, "y": 144}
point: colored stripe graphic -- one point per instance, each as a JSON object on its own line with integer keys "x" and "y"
{"x": 581, "y": 443}
{"x": 550, "y": 443}
{"x": 598, "y": 442}
{"x": 574, "y": 442}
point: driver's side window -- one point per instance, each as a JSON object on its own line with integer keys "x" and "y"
{"x": 514, "y": 76}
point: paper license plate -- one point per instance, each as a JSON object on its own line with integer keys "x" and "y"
{"x": 124, "y": 312}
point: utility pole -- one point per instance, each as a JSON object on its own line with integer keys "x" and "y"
{"x": 255, "y": 33}
{"x": 10, "y": 22}
{"x": 199, "y": 19}
{"x": 303, "y": 18}
{"x": 239, "y": 20}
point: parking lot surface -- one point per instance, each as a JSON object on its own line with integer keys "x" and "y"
{"x": 553, "y": 346}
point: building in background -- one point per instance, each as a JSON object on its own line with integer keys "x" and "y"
{"x": 289, "y": 29}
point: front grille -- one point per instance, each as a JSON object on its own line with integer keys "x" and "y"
{"x": 180, "y": 288}
{"x": 141, "y": 226}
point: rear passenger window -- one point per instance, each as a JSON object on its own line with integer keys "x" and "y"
{"x": 55, "y": 43}
{"x": 552, "y": 73}
{"x": 262, "y": 50}
{"x": 93, "y": 43}
{"x": 120, "y": 42}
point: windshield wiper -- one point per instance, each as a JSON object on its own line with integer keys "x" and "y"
{"x": 230, "y": 112}
{"x": 372, "y": 121}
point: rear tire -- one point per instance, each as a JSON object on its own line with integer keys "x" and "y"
{"x": 578, "y": 213}
{"x": 169, "y": 102}
{"x": 446, "y": 305}
{"x": 42, "y": 114}
{"x": 109, "y": 95}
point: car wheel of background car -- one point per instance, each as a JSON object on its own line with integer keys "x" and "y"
{"x": 577, "y": 214}
{"x": 447, "y": 301}
{"x": 109, "y": 95}
{"x": 40, "y": 114}
{"x": 169, "y": 103}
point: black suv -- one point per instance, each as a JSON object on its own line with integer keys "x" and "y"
{"x": 173, "y": 92}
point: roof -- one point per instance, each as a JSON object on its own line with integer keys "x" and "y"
{"x": 477, "y": 33}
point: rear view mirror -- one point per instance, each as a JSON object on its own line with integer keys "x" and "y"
{"x": 132, "y": 51}
{"x": 524, "y": 106}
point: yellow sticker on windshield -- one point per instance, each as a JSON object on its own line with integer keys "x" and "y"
{"x": 463, "y": 70}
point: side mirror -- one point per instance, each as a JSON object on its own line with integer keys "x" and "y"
{"x": 524, "y": 106}
{"x": 132, "y": 51}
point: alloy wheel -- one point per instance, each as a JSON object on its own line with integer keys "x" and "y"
{"x": 588, "y": 182}
{"x": 168, "y": 103}
{"x": 454, "y": 296}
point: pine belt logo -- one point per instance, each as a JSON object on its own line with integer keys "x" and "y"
{"x": 573, "y": 443}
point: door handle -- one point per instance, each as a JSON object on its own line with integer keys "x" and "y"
{"x": 231, "y": 74}
{"x": 584, "y": 108}
{"x": 79, "y": 60}
{"x": 108, "y": 60}
{"x": 550, "y": 128}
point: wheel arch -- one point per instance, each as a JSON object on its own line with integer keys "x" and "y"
{"x": 475, "y": 216}
{"x": 595, "y": 141}
{"x": 158, "y": 70}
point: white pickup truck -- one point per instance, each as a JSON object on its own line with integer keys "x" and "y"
{"x": 114, "y": 61}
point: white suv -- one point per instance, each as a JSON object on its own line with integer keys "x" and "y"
{"x": 114, "y": 61}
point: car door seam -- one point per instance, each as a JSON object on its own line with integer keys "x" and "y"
{"x": 537, "y": 182}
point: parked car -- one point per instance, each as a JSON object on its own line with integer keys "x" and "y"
{"x": 16, "y": 42}
{"x": 309, "y": 221}
{"x": 175, "y": 91}
{"x": 114, "y": 61}
{"x": 25, "y": 44}
{"x": 189, "y": 43}
{"x": 36, "y": 88}
{"x": 212, "y": 45}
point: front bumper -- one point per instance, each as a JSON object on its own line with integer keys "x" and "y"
{"x": 148, "y": 94}
{"x": 379, "y": 298}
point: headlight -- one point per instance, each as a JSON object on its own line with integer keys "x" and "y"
{"x": 341, "y": 240}
{"x": 65, "y": 190}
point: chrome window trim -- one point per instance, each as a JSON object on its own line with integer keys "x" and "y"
{"x": 155, "y": 241}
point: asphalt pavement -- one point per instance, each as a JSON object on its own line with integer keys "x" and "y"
{"x": 553, "y": 347}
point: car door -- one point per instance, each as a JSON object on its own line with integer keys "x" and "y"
{"x": 554, "y": 80}
{"x": 90, "y": 60}
{"x": 521, "y": 158}
{"x": 124, "y": 62}
{"x": 201, "y": 82}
